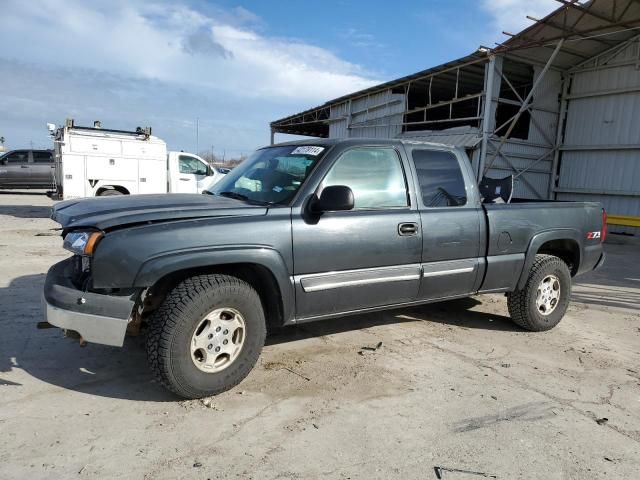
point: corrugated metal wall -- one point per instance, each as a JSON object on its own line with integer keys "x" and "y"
{"x": 374, "y": 116}
{"x": 600, "y": 153}
{"x": 600, "y": 158}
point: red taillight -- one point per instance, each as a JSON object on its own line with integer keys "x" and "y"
{"x": 603, "y": 237}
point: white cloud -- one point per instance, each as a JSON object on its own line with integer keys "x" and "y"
{"x": 178, "y": 44}
{"x": 510, "y": 15}
{"x": 161, "y": 64}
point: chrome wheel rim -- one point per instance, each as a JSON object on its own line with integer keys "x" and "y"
{"x": 217, "y": 340}
{"x": 548, "y": 295}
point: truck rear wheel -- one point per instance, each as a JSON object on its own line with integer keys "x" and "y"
{"x": 544, "y": 300}
{"x": 206, "y": 336}
{"x": 110, "y": 193}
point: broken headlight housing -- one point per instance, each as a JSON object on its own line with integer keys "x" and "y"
{"x": 82, "y": 242}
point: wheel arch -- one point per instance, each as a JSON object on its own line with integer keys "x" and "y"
{"x": 119, "y": 188}
{"x": 266, "y": 272}
{"x": 565, "y": 244}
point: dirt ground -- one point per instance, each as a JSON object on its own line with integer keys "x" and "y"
{"x": 454, "y": 385}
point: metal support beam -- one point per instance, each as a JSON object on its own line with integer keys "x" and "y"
{"x": 602, "y": 93}
{"x": 559, "y": 137}
{"x": 590, "y": 148}
{"x": 613, "y": 51}
{"x": 525, "y": 103}
{"x": 566, "y": 28}
{"x": 487, "y": 121}
{"x": 594, "y": 191}
{"x": 273, "y": 136}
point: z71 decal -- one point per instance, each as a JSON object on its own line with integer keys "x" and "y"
{"x": 593, "y": 235}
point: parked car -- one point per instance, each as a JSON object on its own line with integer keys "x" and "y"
{"x": 303, "y": 232}
{"x": 27, "y": 169}
{"x": 98, "y": 162}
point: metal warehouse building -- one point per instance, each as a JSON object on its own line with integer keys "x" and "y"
{"x": 557, "y": 106}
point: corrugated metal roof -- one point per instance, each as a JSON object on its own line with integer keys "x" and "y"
{"x": 465, "y": 137}
{"x": 589, "y": 28}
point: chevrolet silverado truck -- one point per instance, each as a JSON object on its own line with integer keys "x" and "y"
{"x": 302, "y": 232}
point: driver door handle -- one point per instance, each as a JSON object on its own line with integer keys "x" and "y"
{"x": 407, "y": 229}
{"x": 184, "y": 179}
{"x": 24, "y": 166}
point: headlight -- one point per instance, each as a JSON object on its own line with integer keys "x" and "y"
{"x": 82, "y": 243}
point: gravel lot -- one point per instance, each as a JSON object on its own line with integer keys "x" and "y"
{"x": 454, "y": 385}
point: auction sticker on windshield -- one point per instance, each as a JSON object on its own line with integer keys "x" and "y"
{"x": 308, "y": 150}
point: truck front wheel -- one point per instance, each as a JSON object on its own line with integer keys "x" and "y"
{"x": 544, "y": 300}
{"x": 206, "y": 336}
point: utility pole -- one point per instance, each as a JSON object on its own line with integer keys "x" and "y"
{"x": 197, "y": 134}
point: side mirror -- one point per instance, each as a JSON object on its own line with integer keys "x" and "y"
{"x": 4, "y": 161}
{"x": 209, "y": 172}
{"x": 333, "y": 199}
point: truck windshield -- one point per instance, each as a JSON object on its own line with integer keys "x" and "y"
{"x": 271, "y": 175}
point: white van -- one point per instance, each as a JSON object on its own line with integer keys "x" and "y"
{"x": 92, "y": 161}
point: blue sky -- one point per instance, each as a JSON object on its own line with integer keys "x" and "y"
{"x": 235, "y": 66}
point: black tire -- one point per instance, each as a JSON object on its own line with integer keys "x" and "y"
{"x": 173, "y": 325}
{"x": 522, "y": 303}
{"x": 110, "y": 193}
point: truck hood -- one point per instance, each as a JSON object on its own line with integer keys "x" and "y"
{"x": 110, "y": 212}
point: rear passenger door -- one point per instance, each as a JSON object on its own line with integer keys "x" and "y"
{"x": 14, "y": 171}
{"x": 42, "y": 169}
{"x": 450, "y": 216}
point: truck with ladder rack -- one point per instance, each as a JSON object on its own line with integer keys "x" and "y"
{"x": 97, "y": 162}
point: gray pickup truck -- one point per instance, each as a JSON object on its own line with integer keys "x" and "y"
{"x": 306, "y": 231}
{"x": 27, "y": 169}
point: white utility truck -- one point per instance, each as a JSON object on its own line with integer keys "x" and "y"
{"x": 93, "y": 161}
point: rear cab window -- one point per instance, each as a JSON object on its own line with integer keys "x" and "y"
{"x": 440, "y": 178}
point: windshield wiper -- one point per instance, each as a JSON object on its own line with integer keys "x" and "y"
{"x": 239, "y": 196}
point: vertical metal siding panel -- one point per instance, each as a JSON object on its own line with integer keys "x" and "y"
{"x": 338, "y": 120}
{"x": 599, "y": 121}
{"x": 383, "y": 120}
{"x": 546, "y": 96}
{"x": 605, "y": 170}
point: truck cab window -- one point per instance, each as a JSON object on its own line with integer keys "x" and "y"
{"x": 440, "y": 178}
{"x": 374, "y": 174}
{"x": 191, "y": 165}
{"x": 42, "y": 157}
{"x": 271, "y": 175}
{"x": 17, "y": 157}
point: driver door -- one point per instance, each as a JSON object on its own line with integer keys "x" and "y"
{"x": 191, "y": 172}
{"x": 15, "y": 169}
{"x": 367, "y": 257}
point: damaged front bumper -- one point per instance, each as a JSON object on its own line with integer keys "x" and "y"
{"x": 98, "y": 318}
